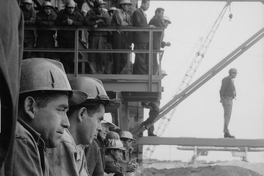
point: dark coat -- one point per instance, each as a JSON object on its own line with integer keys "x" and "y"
{"x": 139, "y": 20}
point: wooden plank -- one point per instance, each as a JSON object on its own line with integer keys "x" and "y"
{"x": 185, "y": 141}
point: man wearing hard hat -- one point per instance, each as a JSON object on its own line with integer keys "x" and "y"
{"x": 113, "y": 158}
{"x": 69, "y": 158}
{"x": 45, "y": 95}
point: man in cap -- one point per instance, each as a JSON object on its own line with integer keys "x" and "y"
{"x": 45, "y": 38}
{"x": 45, "y": 95}
{"x": 101, "y": 138}
{"x": 94, "y": 157}
{"x": 29, "y": 20}
{"x": 113, "y": 158}
{"x": 66, "y": 38}
{"x": 96, "y": 18}
{"x": 127, "y": 139}
{"x": 69, "y": 158}
{"x": 227, "y": 94}
{"x": 121, "y": 39}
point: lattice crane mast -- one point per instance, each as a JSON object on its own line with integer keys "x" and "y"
{"x": 188, "y": 77}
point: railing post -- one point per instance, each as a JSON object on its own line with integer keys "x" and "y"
{"x": 150, "y": 58}
{"x": 76, "y": 49}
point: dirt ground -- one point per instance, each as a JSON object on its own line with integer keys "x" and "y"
{"x": 233, "y": 168}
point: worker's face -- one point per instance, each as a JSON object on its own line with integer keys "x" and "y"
{"x": 126, "y": 7}
{"x": 104, "y": 131}
{"x": 27, "y": 6}
{"x": 99, "y": 9}
{"x": 51, "y": 120}
{"x": 161, "y": 14}
{"x": 127, "y": 143}
{"x": 145, "y": 6}
{"x": 47, "y": 10}
{"x": 233, "y": 73}
{"x": 90, "y": 125}
{"x": 70, "y": 10}
{"x": 118, "y": 154}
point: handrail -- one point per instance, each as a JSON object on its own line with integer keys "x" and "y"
{"x": 77, "y": 49}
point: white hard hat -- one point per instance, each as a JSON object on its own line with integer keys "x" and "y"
{"x": 126, "y": 135}
{"x": 70, "y": 3}
{"x": 27, "y": 1}
{"x": 166, "y": 18}
{"x": 115, "y": 144}
{"x": 125, "y": 2}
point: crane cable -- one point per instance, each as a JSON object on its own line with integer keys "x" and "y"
{"x": 198, "y": 57}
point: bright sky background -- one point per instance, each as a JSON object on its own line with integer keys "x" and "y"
{"x": 201, "y": 114}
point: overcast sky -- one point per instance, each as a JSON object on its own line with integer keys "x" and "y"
{"x": 201, "y": 114}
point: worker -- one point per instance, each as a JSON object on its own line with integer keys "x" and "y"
{"x": 127, "y": 139}
{"x": 29, "y": 14}
{"x": 46, "y": 38}
{"x": 101, "y": 138}
{"x": 45, "y": 95}
{"x": 157, "y": 21}
{"x": 113, "y": 157}
{"x": 121, "y": 39}
{"x": 141, "y": 39}
{"x": 227, "y": 94}
{"x": 69, "y": 157}
{"x": 68, "y": 17}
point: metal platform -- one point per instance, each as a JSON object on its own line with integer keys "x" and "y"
{"x": 190, "y": 141}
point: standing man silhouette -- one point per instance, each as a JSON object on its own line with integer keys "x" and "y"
{"x": 227, "y": 94}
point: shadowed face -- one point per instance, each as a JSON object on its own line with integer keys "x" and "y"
{"x": 51, "y": 120}
{"x": 91, "y": 125}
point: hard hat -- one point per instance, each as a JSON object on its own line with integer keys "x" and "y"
{"x": 94, "y": 89}
{"x": 112, "y": 135}
{"x": 70, "y": 3}
{"x": 125, "y": 2}
{"x": 112, "y": 9}
{"x": 27, "y": 1}
{"x": 108, "y": 123}
{"x": 166, "y": 18}
{"x": 47, "y": 4}
{"x": 126, "y": 135}
{"x": 115, "y": 144}
{"x": 99, "y": 2}
{"x": 40, "y": 74}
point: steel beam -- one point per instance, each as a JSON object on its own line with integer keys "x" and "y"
{"x": 217, "y": 142}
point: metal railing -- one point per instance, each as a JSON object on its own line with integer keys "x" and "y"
{"x": 80, "y": 49}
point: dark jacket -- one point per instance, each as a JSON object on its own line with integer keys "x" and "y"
{"x": 139, "y": 20}
{"x": 61, "y": 21}
{"x": 29, "y": 157}
{"x": 94, "y": 160}
{"x": 227, "y": 88}
{"x": 156, "y": 21}
{"x": 44, "y": 20}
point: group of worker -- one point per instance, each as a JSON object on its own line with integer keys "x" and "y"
{"x": 61, "y": 129}
{"x": 95, "y": 15}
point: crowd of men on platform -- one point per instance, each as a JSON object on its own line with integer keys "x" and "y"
{"x": 95, "y": 15}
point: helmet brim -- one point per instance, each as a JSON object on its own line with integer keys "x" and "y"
{"x": 113, "y": 105}
{"x": 77, "y": 97}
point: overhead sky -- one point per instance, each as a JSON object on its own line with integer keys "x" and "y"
{"x": 201, "y": 114}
